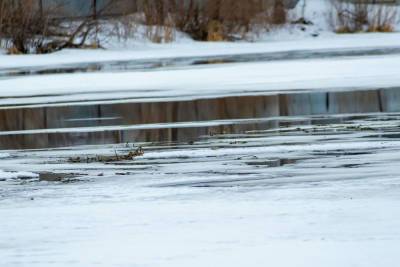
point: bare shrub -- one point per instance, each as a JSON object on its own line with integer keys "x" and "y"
{"x": 124, "y": 28}
{"x": 169, "y": 31}
{"x": 160, "y": 34}
{"x": 358, "y": 16}
{"x": 383, "y": 19}
{"x": 22, "y": 25}
{"x": 236, "y": 18}
{"x": 189, "y": 18}
{"x": 215, "y": 31}
{"x": 279, "y": 13}
{"x": 212, "y": 20}
{"x": 27, "y": 27}
{"x": 157, "y": 17}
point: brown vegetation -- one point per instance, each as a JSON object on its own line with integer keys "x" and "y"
{"x": 211, "y": 20}
{"x": 28, "y": 27}
{"x": 131, "y": 155}
{"x": 359, "y": 16}
{"x": 22, "y": 25}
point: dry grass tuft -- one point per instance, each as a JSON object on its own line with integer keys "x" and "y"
{"x": 358, "y": 16}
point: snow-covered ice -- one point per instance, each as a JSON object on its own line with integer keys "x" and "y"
{"x": 278, "y": 197}
{"x": 4, "y": 175}
{"x": 215, "y": 80}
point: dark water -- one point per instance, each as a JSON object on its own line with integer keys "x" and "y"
{"x": 180, "y": 62}
{"x": 181, "y": 121}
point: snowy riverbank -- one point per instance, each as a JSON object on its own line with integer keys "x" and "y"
{"x": 196, "y": 49}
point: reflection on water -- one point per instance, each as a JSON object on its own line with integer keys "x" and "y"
{"x": 179, "y": 121}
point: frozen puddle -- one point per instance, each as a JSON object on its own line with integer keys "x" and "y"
{"x": 306, "y": 179}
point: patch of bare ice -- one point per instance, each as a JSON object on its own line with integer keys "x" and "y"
{"x": 5, "y": 175}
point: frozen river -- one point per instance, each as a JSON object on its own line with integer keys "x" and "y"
{"x": 296, "y": 178}
{"x": 324, "y": 190}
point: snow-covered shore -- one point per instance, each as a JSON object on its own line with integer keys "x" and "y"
{"x": 194, "y": 49}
